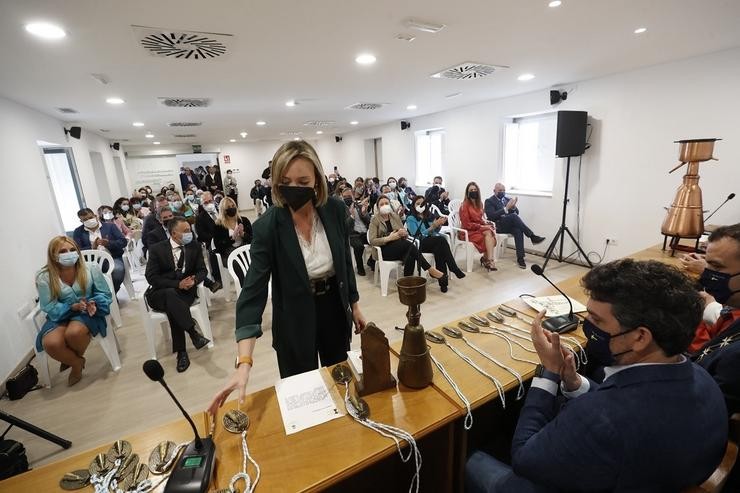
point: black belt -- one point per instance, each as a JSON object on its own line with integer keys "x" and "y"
{"x": 321, "y": 286}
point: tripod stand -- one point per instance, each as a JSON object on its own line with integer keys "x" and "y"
{"x": 560, "y": 235}
{"x": 13, "y": 421}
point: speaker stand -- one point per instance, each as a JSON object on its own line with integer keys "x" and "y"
{"x": 39, "y": 432}
{"x": 560, "y": 235}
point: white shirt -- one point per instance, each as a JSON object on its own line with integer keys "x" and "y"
{"x": 712, "y": 312}
{"x": 177, "y": 250}
{"x": 95, "y": 235}
{"x": 317, "y": 253}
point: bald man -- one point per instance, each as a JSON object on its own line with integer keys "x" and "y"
{"x": 503, "y": 211}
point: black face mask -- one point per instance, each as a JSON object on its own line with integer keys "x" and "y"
{"x": 348, "y": 201}
{"x": 231, "y": 211}
{"x": 717, "y": 284}
{"x": 500, "y": 195}
{"x": 473, "y": 195}
{"x": 296, "y": 197}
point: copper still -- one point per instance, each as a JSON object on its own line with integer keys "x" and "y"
{"x": 415, "y": 364}
{"x": 685, "y": 218}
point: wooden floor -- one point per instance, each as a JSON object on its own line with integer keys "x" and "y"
{"x": 106, "y": 406}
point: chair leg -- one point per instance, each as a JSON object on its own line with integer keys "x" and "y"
{"x": 468, "y": 258}
{"x": 115, "y": 312}
{"x": 149, "y": 329}
{"x": 110, "y": 348}
{"x": 43, "y": 364}
{"x": 129, "y": 285}
{"x": 384, "y": 278}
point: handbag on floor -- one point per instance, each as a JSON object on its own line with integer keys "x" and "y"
{"x": 22, "y": 382}
{"x": 13, "y": 458}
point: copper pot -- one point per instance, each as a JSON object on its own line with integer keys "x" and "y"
{"x": 695, "y": 150}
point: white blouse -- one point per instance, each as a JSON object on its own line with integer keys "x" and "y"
{"x": 317, "y": 253}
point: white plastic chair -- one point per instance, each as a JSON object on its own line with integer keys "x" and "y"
{"x": 151, "y": 319}
{"x": 34, "y": 320}
{"x": 225, "y": 278}
{"x": 454, "y": 205}
{"x": 100, "y": 257}
{"x": 470, "y": 251}
{"x": 238, "y": 257}
{"x": 500, "y": 250}
{"x": 383, "y": 269}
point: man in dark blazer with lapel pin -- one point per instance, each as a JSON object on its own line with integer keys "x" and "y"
{"x": 174, "y": 270}
{"x": 656, "y": 423}
{"x": 302, "y": 244}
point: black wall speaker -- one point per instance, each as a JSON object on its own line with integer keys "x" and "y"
{"x": 75, "y": 132}
{"x": 571, "y": 136}
{"x": 405, "y": 125}
{"x": 115, "y": 146}
{"x": 337, "y": 138}
{"x": 557, "y": 96}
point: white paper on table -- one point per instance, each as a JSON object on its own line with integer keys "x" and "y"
{"x": 305, "y": 401}
{"x": 555, "y": 305}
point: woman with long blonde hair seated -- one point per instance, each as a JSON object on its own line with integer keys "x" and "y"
{"x": 76, "y": 298}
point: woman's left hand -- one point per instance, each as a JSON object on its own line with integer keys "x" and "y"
{"x": 92, "y": 308}
{"x": 358, "y": 318}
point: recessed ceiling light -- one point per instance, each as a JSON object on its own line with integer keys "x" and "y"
{"x": 319, "y": 132}
{"x": 290, "y": 103}
{"x": 296, "y": 138}
{"x": 525, "y": 77}
{"x": 640, "y": 30}
{"x": 156, "y": 143}
{"x": 149, "y": 136}
{"x": 555, "y": 3}
{"x": 365, "y": 59}
{"x": 261, "y": 123}
{"x": 138, "y": 124}
{"x": 114, "y": 101}
{"x": 411, "y": 107}
{"x": 45, "y": 30}
{"x": 232, "y": 140}
{"x": 244, "y": 135}
{"x": 354, "y": 122}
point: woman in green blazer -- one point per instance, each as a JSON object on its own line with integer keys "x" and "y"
{"x": 303, "y": 243}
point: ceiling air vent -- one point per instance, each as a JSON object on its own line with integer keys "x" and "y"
{"x": 320, "y": 123}
{"x": 184, "y": 124}
{"x": 185, "y": 136}
{"x": 185, "y": 102}
{"x": 468, "y": 70}
{"x": 181, "y": 44}
{"x": 67, "y": 110}
{"x": 366, "y": 106}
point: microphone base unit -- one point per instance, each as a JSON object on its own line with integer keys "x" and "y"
{"x": 561, "y": 324}
{"x": 193, "y": 471}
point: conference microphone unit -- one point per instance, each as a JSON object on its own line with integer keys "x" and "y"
{"x": 561, "y": 323}
{"x": 729, "y": 197}
{"x": 193, "y": 471}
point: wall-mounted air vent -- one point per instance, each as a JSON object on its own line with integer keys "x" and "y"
{"x": 292, "y": 134}
{"x": 185, "y": 102}
{"x": 366, "y": 106}
{"x": 184, "y": 124}
{"x": 67, "y": 110}
{"x": 468, "y": 70}
{"x": 185, "y": 136}
{"x": 181, "y": 44}
{"x": 320, "y": 123}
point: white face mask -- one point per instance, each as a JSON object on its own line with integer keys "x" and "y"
{"x": 124, "y": 207}
{"x": 210, "y": 207}
{"x": 91, "y": 223}
{"x": 420, "y": 209}
{"x": 137, "y": 206}
{"x": 392, "y": 185}
{"x": 332, "y": 180}
{"x": 385, "y": 209}
{"x": 107, "y": 216}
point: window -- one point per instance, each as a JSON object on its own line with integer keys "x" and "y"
{"x": 529, "y": 153}
{"x": 429, "y": 154}
{"x": 64, "y": 181}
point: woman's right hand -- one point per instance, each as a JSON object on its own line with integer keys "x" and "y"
{"x": 238, "y": 381}
{"x": 79, "y": 306}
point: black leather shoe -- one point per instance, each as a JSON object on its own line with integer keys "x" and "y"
{"x": 199, "y": 341}
{"x": 183, "y": 362}
{"x": 459, "y": 273}
{"x": 443, "y": 283}
{"x": 361, "y": 272}
{"x": 215, "y": 286}
{"x": 536, "y": 240}
{"x": 521, "y": 264}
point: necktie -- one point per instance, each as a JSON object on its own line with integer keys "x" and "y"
{"x": 181, "y": 260}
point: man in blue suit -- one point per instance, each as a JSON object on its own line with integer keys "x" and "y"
{"x": 93, "y": 234}
{"x": 503, "y": 211}
{"x": 657, "y": 423}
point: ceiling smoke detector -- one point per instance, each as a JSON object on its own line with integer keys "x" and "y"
{"x": 184, "y": 124}
{"x": 185, "y": 102}
{"x": 181, "y": 44}
{"x": 468, "y": 70}
{"x": 319, "y": 123}
{"x": 366, "y": 106}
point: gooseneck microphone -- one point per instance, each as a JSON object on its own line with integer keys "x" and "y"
{"x": 729, "y": 197}
{"x": 193, "y": 471}
{"x": 561, "y": 323}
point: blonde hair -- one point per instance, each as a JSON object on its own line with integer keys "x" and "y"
{"x": 53, "y": 267}
{"x": 284, "y": 157}
{"x": 223, "y": 219}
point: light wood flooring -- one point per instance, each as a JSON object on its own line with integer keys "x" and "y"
{"x": 106, "y": 406}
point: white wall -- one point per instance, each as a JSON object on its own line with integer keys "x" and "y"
{"x": 625, "y": 182}
{"x": 30, "y": 219}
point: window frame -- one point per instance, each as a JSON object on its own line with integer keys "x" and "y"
{"x": 428, "y": 132}
{"x": 527, "y": 191}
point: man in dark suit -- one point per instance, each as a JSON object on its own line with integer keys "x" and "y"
{"x": 152, "y": 221}
{"x": 656, "y": 423}
{"x": 93, "y": 234}
{"x": 205, "y": 224}
{"x": 187, "y": 178}
{"x": 174, "y": 270}
{"x": 213, "y": 179}
{"x": 437, "y": 196}
{"x": 503, "y": 211}
{"x": 158, "y": 229}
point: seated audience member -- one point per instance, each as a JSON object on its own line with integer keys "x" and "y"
{"x": 190, "y": 199}
{"x": 406, "y": 194}
{"x": 76, "y": 298}
{"x": 481, "y": 233}
{"x": 372, "y": 192}
{"x": 332, "y": 182}
{"x": 151, "y": 221}
{"x": 358, "y": 221}
{"x": 138, "y": 210}
{"x": 126, "y": 215}
{"x": 231, "y": 232}
{"x": 387, "y": 232}
{"x": 188, "y": 178}
{"x": 503, "y": 211}
{"x": 159, "y": 232}
{"x": 421, "y": 224}
{"x": 205, "y": 225}
{"x": 94, "y": 235}
{"x": 716, "y": 345}
{"x": 360, "y": 187}
{"x": 257, "y": 194}
{"x": 107, "y": 215}
{"x": 395, "y": 204}
{"x": 182, "y": 209}
{"x": 437, "y": 196}
{"x": 230, "y": 186}
{"x": 174, "y": 270}
{"x": 656, "y": 423}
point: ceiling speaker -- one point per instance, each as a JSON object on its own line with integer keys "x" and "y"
{"x": 557, "y": 96}
{"x": 337, "y": 138}
{"x": 75, "y": 132}
{"x": 115, "y": 146}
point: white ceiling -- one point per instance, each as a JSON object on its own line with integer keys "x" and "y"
{"x": 305, "y": 50}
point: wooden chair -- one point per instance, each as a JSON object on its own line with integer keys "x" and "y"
{"x": 719, "y": 477}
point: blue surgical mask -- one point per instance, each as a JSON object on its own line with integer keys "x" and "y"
{"x": 186, "y": 238}
{"x": 718, "y": 284}
{"x": 598, "y": 344}
{"x": 68, "y": 259}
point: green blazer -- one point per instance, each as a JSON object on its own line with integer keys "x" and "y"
{"x": 275, "y": 252}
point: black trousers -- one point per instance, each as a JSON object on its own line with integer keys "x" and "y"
{"x": 332, "y": 336}
{"x": 358, "y": 241}
{"x": 512, "y": 224}
{"x": 406, "y": 252}
{"x": 443, "y": 258}
{"x": 175, "y": 303}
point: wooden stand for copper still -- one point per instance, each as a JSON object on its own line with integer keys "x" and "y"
{"x": 376, "y": 362}
{"x": 685, "y": 218}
